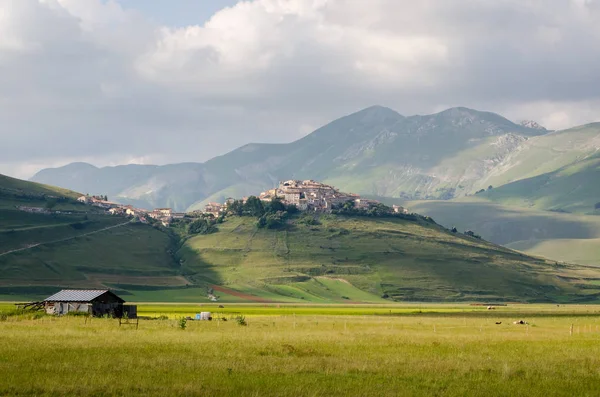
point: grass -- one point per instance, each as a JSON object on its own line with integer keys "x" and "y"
{"x": 320, "y": 352}
{"x": 341, "y": 261}
{"x": 374, "y": 257}
{"x": 559, "y": 236}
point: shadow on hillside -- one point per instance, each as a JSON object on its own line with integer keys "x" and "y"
{"x": 503, "y": 225}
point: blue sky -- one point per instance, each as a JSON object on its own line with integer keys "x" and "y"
{"x": 178, "y": 12}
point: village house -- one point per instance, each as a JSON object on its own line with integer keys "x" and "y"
{"x": 94, "y": 302}
{"x": 399, "y": 209}
{"x": 214, "y": 209}
{"x": 33, "y": 210}
{"x": 159, "y": 213}
{"x": 116, "y": 211}
{"x": 164, "y": 211}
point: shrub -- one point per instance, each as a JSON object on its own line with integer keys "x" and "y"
{"x": 182, "y": 323}
{"x": 241, "y": 320}
{"x": 202, "y": 226}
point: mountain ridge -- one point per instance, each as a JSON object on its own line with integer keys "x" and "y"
{"x": 375, "y": 151}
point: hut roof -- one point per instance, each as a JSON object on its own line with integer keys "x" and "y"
{"x": 79, "y": 295}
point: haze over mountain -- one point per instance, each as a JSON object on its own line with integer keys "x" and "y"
{"x": 375, "y": 151}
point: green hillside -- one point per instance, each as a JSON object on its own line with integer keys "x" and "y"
{"x": 572, "y": 188}
{"x": 395, "y": 258}
{"x": 73, "y": 245}
{"x": 561, "y": 236}
{"x": 328, "y": 259}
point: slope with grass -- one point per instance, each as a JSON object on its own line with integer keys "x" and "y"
{"x": 74, "y": 245}
{"x": 560, "y": 236}
{"x": 362, "y": 259}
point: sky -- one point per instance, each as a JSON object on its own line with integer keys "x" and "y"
{"x": 163, "y": 81}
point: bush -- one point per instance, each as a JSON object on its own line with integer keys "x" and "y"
{"x": 272, "y": 221}
{"x": 309, "y": 220}
{"x": 472, "y": 234}
{"x": 182, "y": 323}
{"x": 241, "y": 320}
{"x": 202, "y": 226}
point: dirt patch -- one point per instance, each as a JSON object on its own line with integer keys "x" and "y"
{"x": 240, "y": 294}
{"x": 336, "y": 279}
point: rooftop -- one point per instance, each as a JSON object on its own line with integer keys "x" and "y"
{"x": 76, "y": 295}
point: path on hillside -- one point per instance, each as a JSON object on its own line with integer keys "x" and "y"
{"x": 65, "y": 239}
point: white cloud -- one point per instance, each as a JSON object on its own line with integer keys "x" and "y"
{"x": 90, "y": 80}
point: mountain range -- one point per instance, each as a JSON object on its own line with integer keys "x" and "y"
{"x": 374, "y": 152}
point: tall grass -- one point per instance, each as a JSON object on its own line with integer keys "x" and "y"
{"x": 451, "y": 354}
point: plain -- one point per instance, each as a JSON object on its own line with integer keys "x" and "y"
{"x": 291, "y": 350}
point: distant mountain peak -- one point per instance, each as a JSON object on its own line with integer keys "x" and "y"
{"x": 377, "y": 111}
{"x": 533, "y": 125}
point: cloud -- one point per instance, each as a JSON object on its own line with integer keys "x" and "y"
{"x": 91, "y": 80}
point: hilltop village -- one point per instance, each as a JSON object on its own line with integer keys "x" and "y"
{"x": 307, "y": 196}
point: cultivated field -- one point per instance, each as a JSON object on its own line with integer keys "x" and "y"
{"x": 379, "y": 350}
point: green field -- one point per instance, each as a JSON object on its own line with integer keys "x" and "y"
{"x": 384, "y": 350}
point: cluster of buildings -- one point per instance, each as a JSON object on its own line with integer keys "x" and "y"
{"x": 163, "y": 215}
{"x": 306, "y": 195}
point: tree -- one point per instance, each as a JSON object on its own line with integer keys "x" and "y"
{"x": 50, "y": 204}
{"x": 275, "y": 205}
{"x": 254, "y": 207}
{"x": 201, "y": 226}
{"x": 597, "y": 206}
{"x": 490, "y": 187}
{"x": 236, "y": 207}
{"x": 454, "y": 230}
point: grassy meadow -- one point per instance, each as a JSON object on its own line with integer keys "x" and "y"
{"x": 295, "y": 350}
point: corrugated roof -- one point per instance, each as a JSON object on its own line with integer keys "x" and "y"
{"x": 76, "y": 295}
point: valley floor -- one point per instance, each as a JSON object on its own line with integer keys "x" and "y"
{"x": 293, "y": 350}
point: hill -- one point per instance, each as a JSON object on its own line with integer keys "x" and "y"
{"x": 375, "y": 151}
{"x": 561, "y": 236}
{"x": 319, "y": 259}
{"x": 396, "y": 258}
{"x": 48, "y": 240}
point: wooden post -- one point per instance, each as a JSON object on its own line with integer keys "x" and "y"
{"x": 571, "y": 330}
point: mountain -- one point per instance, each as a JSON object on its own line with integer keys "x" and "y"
{"x": 375, "y": 151}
